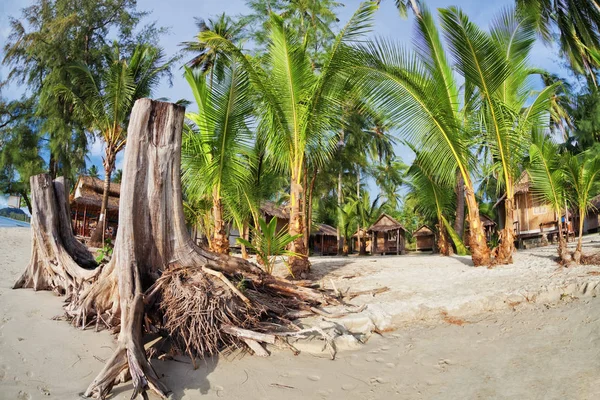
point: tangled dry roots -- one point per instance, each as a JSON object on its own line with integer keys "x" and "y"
{"x": 195, "y": 307}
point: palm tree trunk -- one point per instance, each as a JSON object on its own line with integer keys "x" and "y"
{"x": 578, "y": 249}
{"x": 459, "y": 222}
{"x": 220, "y": 242}
{"x": 299, "y": 264}
{"x": 340, "y": 222}
{"x": 246, "y": 236}
{"x": 97, "y": 238}
{"x": 480, "y": 251}
{"x": 507, "y": 235}
{"x": 563, "y": 253}
{"x": 442, "y": 243}
{"x": 309, "y": 209}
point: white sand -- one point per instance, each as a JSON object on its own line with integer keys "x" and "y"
{"x": 547, "y": 349}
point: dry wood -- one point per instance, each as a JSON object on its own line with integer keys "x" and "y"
{"x": 248, "y": 334}
{"x": 227, "y": 282}
{"x": 371, "y": 292}
{"x": 256, "y": 348}
{"x": 205, "y": 301}
{"x": 54, "y": 252}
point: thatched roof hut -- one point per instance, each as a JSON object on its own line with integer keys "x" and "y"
{"x": 387, "y": 235}
{"x": 86, "y": 202}
{"x": 425, "y": 238}
{"x": 88, "y": 192}
{"x": 323, "y": 239}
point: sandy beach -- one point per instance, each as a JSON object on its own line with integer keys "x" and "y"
{"x": 447, "y": 331}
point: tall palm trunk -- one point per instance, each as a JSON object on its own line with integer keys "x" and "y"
{"x": 246, "y": 236}
{"x": 480, "y": 251}
{"x": 459, "y": 222}
{"x": 443, "y": 243}
{"x": 507, "y": 235}
{"x": 97, "y": 238}
{"x": 340, "y": 222}
{"x": 299, "y": 264}
{"x": 220, "y": 242}
{"x": 309, "y": 209}
{"x": 577, "y": 254}
{"x": 563, "y": 252}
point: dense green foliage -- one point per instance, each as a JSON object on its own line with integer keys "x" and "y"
{"x": 293, "y": 106}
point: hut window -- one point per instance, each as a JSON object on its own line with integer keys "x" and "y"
{"x": 392, "y": 235}
{"x": 539, "y": 207}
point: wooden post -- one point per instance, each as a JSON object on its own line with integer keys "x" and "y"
{"x": 75, "y": 227}
{"x": 84, "y": 220}
{"x": 374, "y": 243}
{"x": 322, "y": 248}
{"x": 398, "y": 241}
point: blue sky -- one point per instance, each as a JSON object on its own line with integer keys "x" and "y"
{"x": 178, "y": 16}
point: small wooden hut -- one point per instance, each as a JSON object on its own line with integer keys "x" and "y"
{"x": 591, "y": 223}
{"x": 387, "y": 236}
{"x": 489, "y": 226}
{"x": 364, "y": 238}
{"x": 425, "y": 238}
{"x": 323, "y": 240}
{"x": 86, "y": 202}
{"x": 270, "y": 210}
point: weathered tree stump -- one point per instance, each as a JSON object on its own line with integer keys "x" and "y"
{"x": 56, "y": 256}
{"x": 157, "y": 277}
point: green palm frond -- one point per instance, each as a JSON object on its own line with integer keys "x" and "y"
{"x": 217, "y": 140}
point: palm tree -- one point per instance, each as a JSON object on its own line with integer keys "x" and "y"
{"x": 118, "y": 176}
{"x": 419, "y": 92}
{"x": 206, "y": 58}
{"x": 217, "y": 138}
{"x": 300, "y": 107}
{"x": 433, "y": 199}
{"x": 548, "y": 182}
{"x": 105, "y": 103}
{"x": 578, "y": 24}
{"x": 582, "y": 175}
{"x": 93, "y": 171}
{"x": 311, "y": 20}
{"x": 367, "y": 212}
{"x": 496, "y": 68}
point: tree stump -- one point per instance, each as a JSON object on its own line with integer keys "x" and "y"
{"x": 56, "y": 256}
{"x": 157, "y": 275}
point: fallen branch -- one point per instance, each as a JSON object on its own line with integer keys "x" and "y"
{"x": 371, "y": 292}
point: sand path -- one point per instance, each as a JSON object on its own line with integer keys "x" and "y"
{"x": 542, "y": 350}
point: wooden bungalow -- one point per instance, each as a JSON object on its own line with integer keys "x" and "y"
{"x": 268, "y": 211}
{"x": 364, "y": 237}
{"x": 489, "y": 226}
{"x": 425, "y": 238}
{"x": 591, "y": 223}
{"x": 387, "y": 236}
{"x": 86, "y": 202}
{"x": 323, "y": 240}
{"x": 533, "y": 217}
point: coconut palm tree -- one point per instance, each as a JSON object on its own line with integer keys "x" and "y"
{"x": 105, "y": 103}
{"x": 578, "y": 24}
{"x": 217, "y": 137}
{"x": 206, "y": 58}
{"x": 433, "y": 199}
{"x": 582, "y": 175}
{"x": 548, "y": 182}
{"x": 495, "y": 66}
{"x": 420, "y": 94}
{"x": 93, "y": 171}
{"x": 300, "y": 106}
